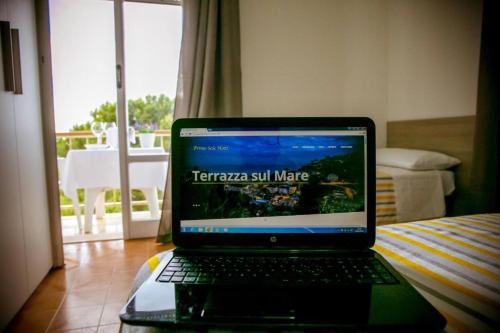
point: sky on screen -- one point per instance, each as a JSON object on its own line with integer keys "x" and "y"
{"x": 259, "y": 154}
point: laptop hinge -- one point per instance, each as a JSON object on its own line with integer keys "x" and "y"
{"x": 284, "y": 251}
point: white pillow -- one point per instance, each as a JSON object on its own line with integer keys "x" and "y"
{"x": 414, "y": 159}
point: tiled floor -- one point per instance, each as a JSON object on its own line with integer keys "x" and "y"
{"x": 87, "y": 294}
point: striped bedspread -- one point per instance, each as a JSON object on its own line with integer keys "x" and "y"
{"x": 386, "y": 199}
{"x": 454, "y": 263}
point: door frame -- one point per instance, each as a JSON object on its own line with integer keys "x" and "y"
{"x": 42, "y": 16}
{"x": 131, "y": 229}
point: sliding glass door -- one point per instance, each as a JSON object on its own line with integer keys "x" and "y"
{"x": 115, "y": 67}
{"x": 84, "y": 85}
{"x": 148, "y": 36}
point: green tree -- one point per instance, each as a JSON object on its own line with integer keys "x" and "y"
{"x": 63, "y": 144}
{"x": 151, "y": 111}
{"x": 148, "y": 111}
{"x": 106, "y": 113}
{"x": 166, "y": 122}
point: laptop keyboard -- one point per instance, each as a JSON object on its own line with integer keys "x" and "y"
{"x": 283, "y": 271}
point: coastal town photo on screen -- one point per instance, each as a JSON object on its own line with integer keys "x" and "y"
{"x": 260, "y": 176}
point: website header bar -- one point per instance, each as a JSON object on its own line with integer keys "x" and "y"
{"x": 190, "y": 132}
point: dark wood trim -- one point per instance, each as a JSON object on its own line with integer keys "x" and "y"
{"x": 16, "y": 57}
{"x": 8, "y": 71}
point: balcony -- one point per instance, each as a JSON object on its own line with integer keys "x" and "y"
{"x": 110, "y": 225}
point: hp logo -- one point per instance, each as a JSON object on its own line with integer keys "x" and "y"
{"x": 273, "y": 239}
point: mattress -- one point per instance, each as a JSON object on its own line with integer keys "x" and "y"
{"x": 454, "y": 263}
{"x": 417, "y": 195}
{"x": 448, "y": 181}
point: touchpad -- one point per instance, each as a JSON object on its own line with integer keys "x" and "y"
{"x": 304, "y": 305}
{"x": 248, "y": 303}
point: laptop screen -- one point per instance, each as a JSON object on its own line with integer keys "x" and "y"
{"x": 273, "y": 180}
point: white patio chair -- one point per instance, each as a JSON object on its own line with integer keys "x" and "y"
{"x": 61, "y": 161}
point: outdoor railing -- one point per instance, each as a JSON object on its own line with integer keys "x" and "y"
{"x": 88, "y": 136}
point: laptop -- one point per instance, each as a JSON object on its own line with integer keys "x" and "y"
{"x": 273, "y": 220}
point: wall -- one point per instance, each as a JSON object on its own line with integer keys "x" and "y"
{"x": 386, "y": 59}
{"x": 30, "y": 149}
{"x": 13, "y": 280}
{"x": 25, "y": 245}
{"x": 434, "y": 58}
{"x": 320, "y": 58}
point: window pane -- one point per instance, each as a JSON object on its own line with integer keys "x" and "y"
{"x": 152, "y": 45}
{"x": 147, "y": 183}
{"x": 83, "y": 59}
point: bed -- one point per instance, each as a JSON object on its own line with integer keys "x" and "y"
{"x": 453, "y": 262}
{"x": 406, "y": 195}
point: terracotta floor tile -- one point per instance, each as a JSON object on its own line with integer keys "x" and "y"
{"x": 102, "y": 267}
{"x": 110, "y": 259}
{"x": 118, "y": 294}
{"x": 46, "y": 299}
{"x": 124, "y": 276}
{"x": 89, "y": 280}
{"x": 95, "y": 273}
{"x": 85, "y": 274}
{"x": 76, "y": 318}
{"x": 130, "y": 266}
{"x": 121, "y": 284}
{"x": 131, "y": 256}
{"x": 110, "y": 313}
{"x": 122, "y": 273}
{"x": 93, "y": 285}
{"x": 81, "y": 330}
{"x": 72, "y": 262}
{"x": 115, "y": 328}
{"x": 157, "y": 248}
{"x": 78, "y": 298}
{"x": 32, "y": 321}
{"x": 135, "y": 248}
{"x": 115, "y": 245}
{"x": 58, "y": 280}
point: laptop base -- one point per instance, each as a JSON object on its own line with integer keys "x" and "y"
{"x": 396, "y": 307}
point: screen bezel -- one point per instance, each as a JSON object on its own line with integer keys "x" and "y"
{"x": 270, "y": 240}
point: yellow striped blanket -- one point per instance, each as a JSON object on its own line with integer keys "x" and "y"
{"x": 386, "y": 199}
{"x": 454, "y": 263}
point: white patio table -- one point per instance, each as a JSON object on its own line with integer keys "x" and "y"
{"x": 96, "y": 171}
